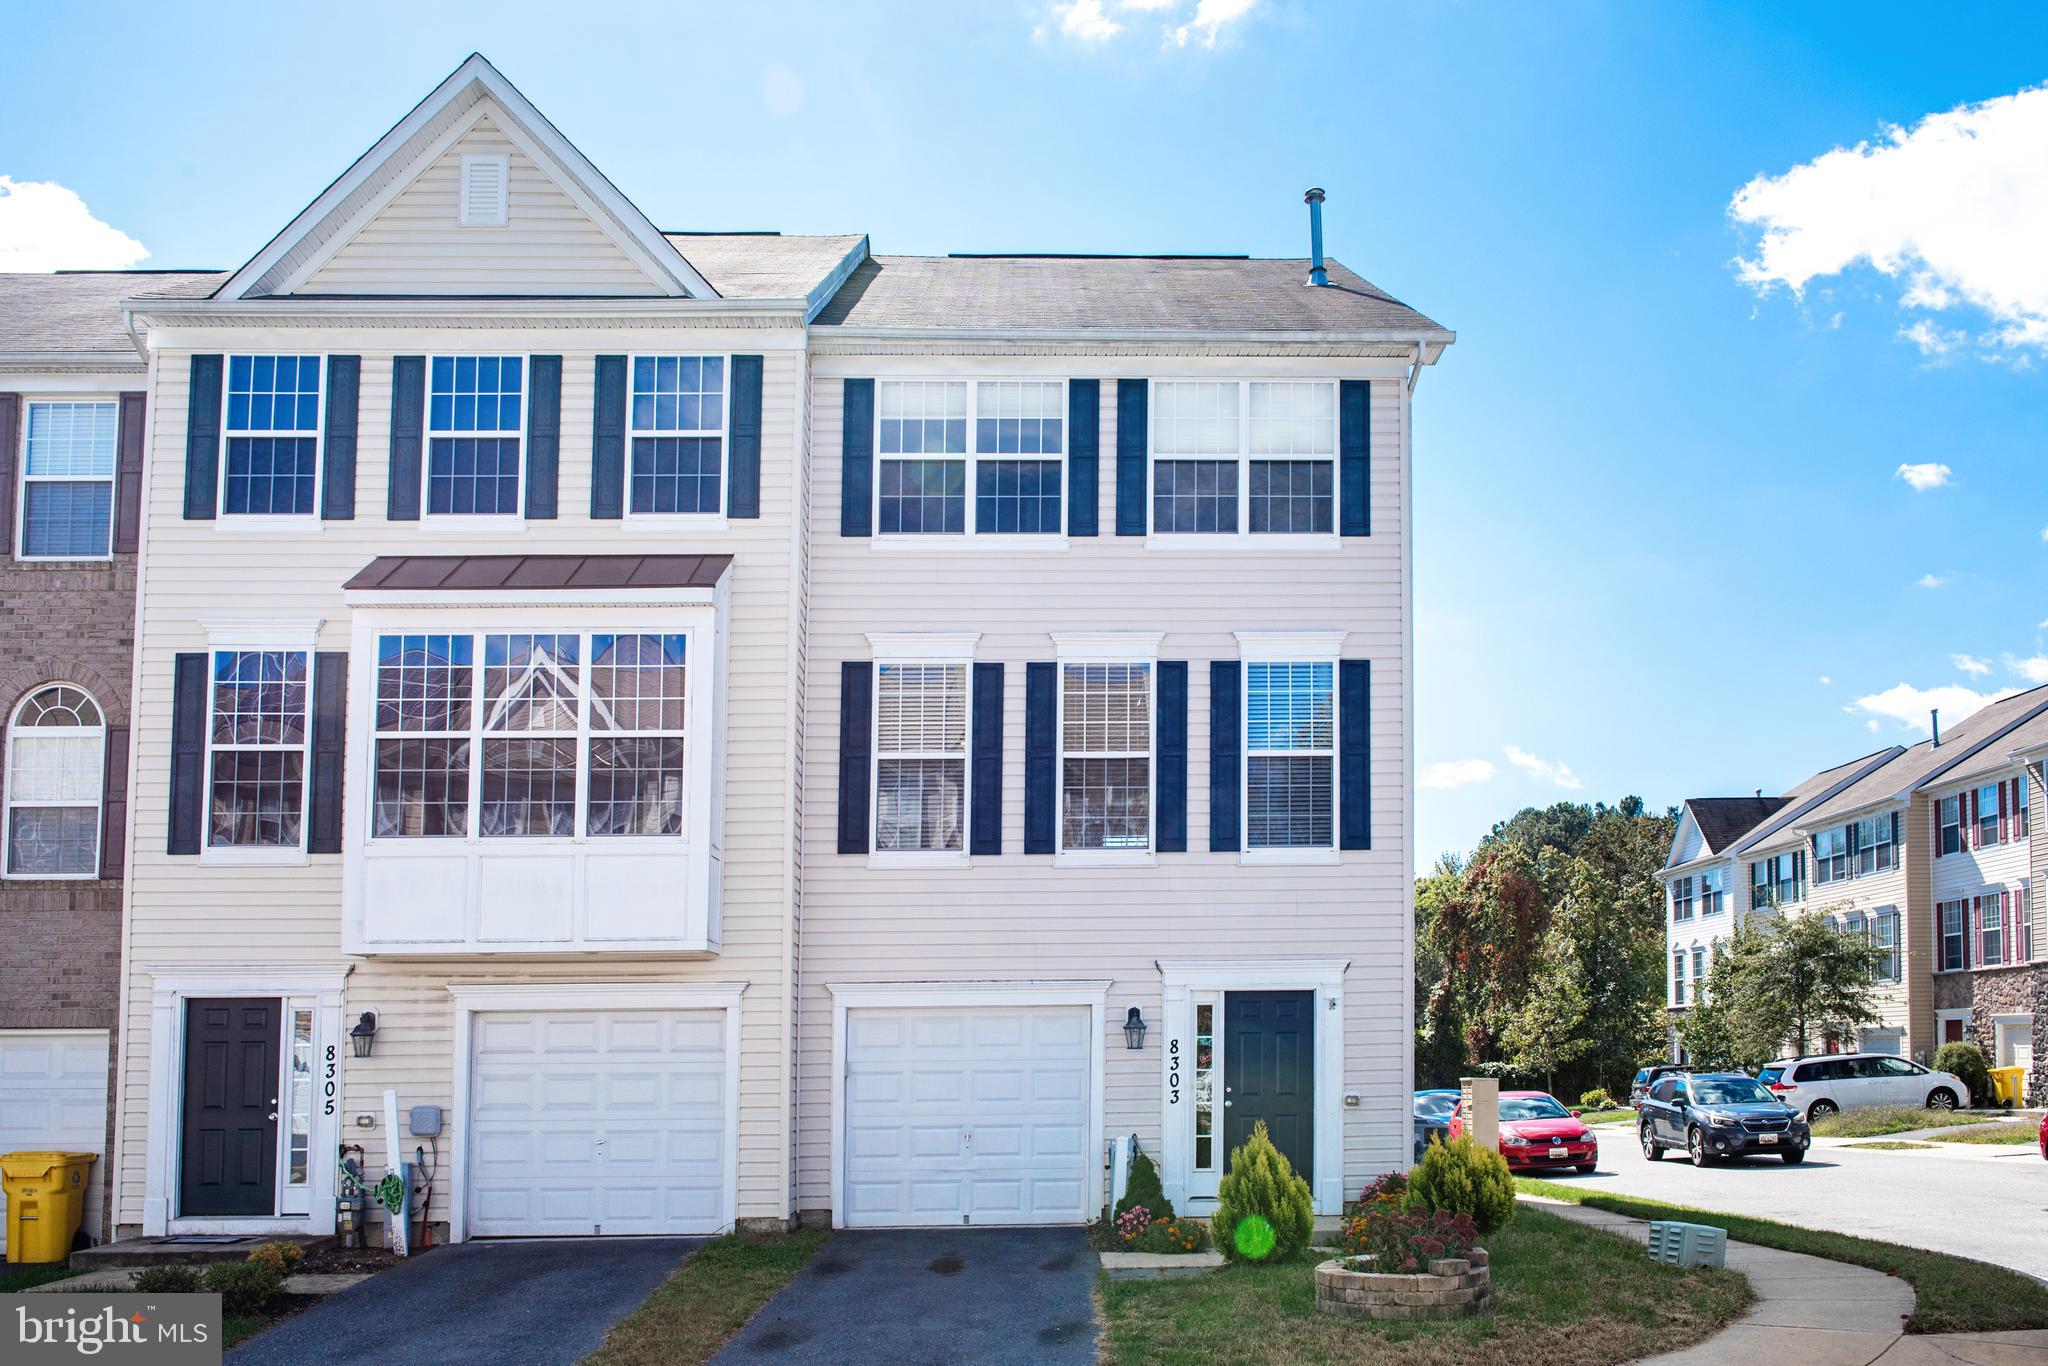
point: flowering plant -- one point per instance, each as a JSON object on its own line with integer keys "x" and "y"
{"x": 1409, "y": 1242}
{"x": 1170, "y": 1235}
{"x": 1381, "y": 1197}
{"x": 1133, "y": 1222}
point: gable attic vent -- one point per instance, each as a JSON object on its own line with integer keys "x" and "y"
{"x": 484, "y": 191}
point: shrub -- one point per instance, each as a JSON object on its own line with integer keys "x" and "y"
{"x": 1264, "y": 1212}
{"x": 167, "y": 1280}
{"x": 1170, "y": 1235}
{"x": 1598, "y": 1099}
{"x": 1968, "y": 1063}
{"x": 1144, "y": 1189}
{"x": 1410, "y": 1242}
{"x": 1462, "y": 1178}
{"x": 244, "y": 1287}
{"x": 280, "y": 1257}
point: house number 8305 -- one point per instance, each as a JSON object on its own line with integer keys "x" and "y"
{"x": 1173, "y": 1072}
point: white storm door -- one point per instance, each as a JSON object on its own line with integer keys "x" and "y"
{"x": 967, "y": 1116}
{"x": 591, "y": 1122}
{"x": 53, "y": 1095}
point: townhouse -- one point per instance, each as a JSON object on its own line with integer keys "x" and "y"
{"x": 732, "y": 728}
{"x": 1927, "y": 851}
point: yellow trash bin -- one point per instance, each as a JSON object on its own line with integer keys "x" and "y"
{"x": 2009, "y": 1086}
{"x": 45, "y": 1202}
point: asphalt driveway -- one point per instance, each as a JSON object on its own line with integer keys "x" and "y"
{"x": 525, "y": 1303}
{"x": 912, "y": 1297}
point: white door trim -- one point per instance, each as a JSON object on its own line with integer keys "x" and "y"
{"x": 474, "y": 998}
{"x": 1093, "y": 994}
{"x": 170, "y": 988}
{"x": 1180, "y": 979}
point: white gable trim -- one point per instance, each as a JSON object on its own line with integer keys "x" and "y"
{"x": 530, "y": 131}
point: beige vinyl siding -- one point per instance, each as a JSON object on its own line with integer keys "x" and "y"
{"x": 416, "y": 243}
{"x": 185, "y": 913}
{"x": 1017, "y": 916}
{"x": 1868, "y": 894}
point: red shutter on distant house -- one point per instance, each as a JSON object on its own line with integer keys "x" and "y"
{"x": 1969, "y": 928}
{"x": 2008, "y": 942}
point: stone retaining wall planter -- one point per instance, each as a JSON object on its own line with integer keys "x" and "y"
{"x": 1452, "y": 1288}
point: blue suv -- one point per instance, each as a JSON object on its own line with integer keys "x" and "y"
{"x": 1713, "y": 1115}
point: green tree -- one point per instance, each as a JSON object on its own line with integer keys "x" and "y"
{"x": 1781, "y": 983}
{"x": 1550, "y": 1030}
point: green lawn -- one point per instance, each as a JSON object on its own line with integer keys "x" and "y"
{"x": 707, "y": 1299}
{"x": 1607, "y": 1116}
{"x": 1992, "y": 1133}
{"x": 1563, "y": 1292}
{"x": 23, "y": 1275}
{"x": 1955, "y": 1294}
{"x": 1874, "y": 1121}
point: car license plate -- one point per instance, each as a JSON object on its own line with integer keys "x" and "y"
{"x": 1767, "y": 1138}
{"x": 1557, "y": 1152}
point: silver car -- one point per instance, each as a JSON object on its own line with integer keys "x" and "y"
{"x": 1819, "y": 1086}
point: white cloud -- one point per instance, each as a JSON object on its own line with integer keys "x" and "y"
{"x": 1953, "y": 208}
{"x": 1931, "y": 475}
{"x": 44, "y": 227}
{"x": 1970, "y": 664}
{"x": 1559, "y": 772}
{"x": 1932, "y": 580}
{"x": 1933, "y": 340}
{"x": 782, "y": 90}
{"x": 1087, "y": 20}
{"x": 1826, "y": 682}
{"x": 1909, "y": 705}
{"x": 1211, "y": 18}
{"x": 2044, "y": 538}
{"x": 1146, "y": 5}
{"x": 1457, "y": 773}
{"x": 1871, "y": 725}
{"x": 2034, "y": 669}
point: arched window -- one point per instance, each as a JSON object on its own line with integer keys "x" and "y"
{"x": 56, "y": 754}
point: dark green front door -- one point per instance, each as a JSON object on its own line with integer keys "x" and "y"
{"x": 1269, "y": 1072}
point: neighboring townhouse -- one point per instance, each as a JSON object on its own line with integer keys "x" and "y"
{"x": 72, "y": 415}
{"x": 1926, "y": 851}
{"x": 752, "y": 730}
{"x": 1702, "y": 893}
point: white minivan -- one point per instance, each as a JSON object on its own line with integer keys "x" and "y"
{"x": 1819, "y": 1086}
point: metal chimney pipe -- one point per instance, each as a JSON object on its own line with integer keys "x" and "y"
{"x": 1934, "y": 724}
{"x": 1316, "y": 274}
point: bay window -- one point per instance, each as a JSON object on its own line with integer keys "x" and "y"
{"x": 1255, "y": 457}
{"x": 1290, "y": 754}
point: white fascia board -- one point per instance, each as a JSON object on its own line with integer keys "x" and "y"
{"x": 836, "y": 279}
{"x": 1427, "y": 340}
{"x": 127, "y": 360}
{"x": 452, "y": 308}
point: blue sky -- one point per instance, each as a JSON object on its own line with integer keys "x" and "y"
{"x": 1663, "y": 540}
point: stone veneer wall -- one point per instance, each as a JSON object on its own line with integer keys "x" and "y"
{"x": 1990, "y": 992}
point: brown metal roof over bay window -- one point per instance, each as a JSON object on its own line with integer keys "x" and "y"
{"x": 416, "y": 573}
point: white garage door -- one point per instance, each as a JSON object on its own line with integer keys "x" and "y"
{"x": 53, "y": 1095}
{"x": 968, "y": 1116}
{"x": 588, "y": 1122}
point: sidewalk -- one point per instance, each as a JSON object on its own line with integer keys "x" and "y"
{"x": 1821, "y": 1313}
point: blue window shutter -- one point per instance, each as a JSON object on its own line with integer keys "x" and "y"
{"x": 1173, "y": 756}
{"x": 129, "y": 431}
{"x": 338, "y": 461}
{"x": 1226, "y": 754}
{"x": 1041, "y": 758}
{"x": 330, "y": 708}
{"x": 544, "y": 437}
{"x": 408, "y": 434}
{"x": 1354, "y": 456}
{"x": 856, "y": 752}
{"x": 1084, "y": 457}
{"x": 189, "y": 693}
{"x": 857, "y": 458}
{"x": 1354, "y": 753}
{"x": 608, "y": 441}
{"x": 986, "y": 836}
{"x": 743, "y": 492}
{"x": 202, "y": 439}
{"x": 1131, "y": 432}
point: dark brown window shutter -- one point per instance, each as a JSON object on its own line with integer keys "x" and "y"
{"x": 10, "y": 449}
{"x": 128, "y": 474}
{"x": 114, "y": 803}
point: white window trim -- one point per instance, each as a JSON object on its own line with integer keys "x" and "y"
{"x": 259, "y": 522}
{"x": 476, "y": 523}
{"x": 23, "y": 479}
{"x": 971, "y": 457}
{"x": 1960, "y": 1015}
{"x": 465, "y": 216}
{"x": 1244, "y": 538}
{"x": 1107, "y": 647}
{"x": 274, "y": 636}
{"x": 969, "y": 995}
{"x": 1291, "y": 647}
{"x": 473, "y": 999}
{"x": 99, "y": 799}
{"x": 681, "y": 521}
{"x": 921, "y": 649}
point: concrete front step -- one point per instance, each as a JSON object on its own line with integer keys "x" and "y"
{"x": 188, "y": 1249}
{"x": 1158, "y": 1266}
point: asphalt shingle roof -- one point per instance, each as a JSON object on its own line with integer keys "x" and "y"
{"x": 763, "y": 265}
{"x": 1913, "y": 767}
{"x": 1723, "y": 820}
{"x": 81, "y": 310}
{"x": 1219, "y": 294}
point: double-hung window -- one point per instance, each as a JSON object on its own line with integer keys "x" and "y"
{"x": 1290, "y": 755}
{"x": 1955, "y": 932}
{"x": 1875, "y": 852}
{"x": 1886, "y": 937}
{"x": 678, "y": 409}
{"x": 476, "y": 427}
{"x": 921, "y": 757}
{"x": 2022, "y": 809}
{"x": 67, "y": 481}
{"x": 984, "y": 457}
{"x": 1234, "y": 457}
{"x": 1991, "y": 929}
{"x": 56, "y": 752}
{"x": 1699, "y": 971}
{"x": 921, "y": 445}
{"x": 1987, "y": 804}
{"x": 272, "y": 436}
{"x": 1949, "y": 825}
{"x": 1831, "y": 861}
{"x": 1678, "y": 977}
{"x": 523, "y": 735}
{"x": 257, "y": 750}
{"x": 1106, "y": 756}
{"x": 1682, "y": 897}
{"x": 2023, "y": 923}
{"x": 1713, "y": 891}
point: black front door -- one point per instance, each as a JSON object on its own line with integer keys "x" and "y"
{"x": 231, "y": 1069}
{"x": 1269, "y": 1072}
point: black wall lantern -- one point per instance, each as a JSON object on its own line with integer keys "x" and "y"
{"x": 364, "y": 1035}
{"x": 1134, "y": 1029}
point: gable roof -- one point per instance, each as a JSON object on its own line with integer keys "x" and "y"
{"x": 1928, "y": 762}
{"x": 772, "y": 265}
{"x": 1815, "y": 790}
{"x": 386, "y": 167}
{"x": 2023, "y": 738}
{"x": 1723, "y": 820}
{"x": 80, "y": 311}
{"x": 1114, "y": 293}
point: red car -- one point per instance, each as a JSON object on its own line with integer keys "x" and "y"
{"x": 1538, "y": 1134}
{"x": 2044, "y": 1136}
